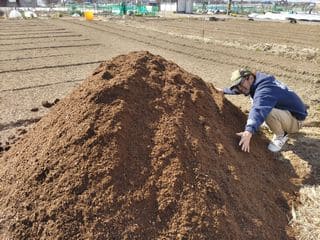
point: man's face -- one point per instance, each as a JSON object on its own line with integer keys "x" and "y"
{"x": 244, "y": 86}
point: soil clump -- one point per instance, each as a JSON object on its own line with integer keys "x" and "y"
{"x": 142, "y": 149}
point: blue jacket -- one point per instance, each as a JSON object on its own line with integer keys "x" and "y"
{"x": 268, "y": 93}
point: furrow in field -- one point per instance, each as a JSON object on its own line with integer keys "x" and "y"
{"x": 50, "y": 66}
{"x": 45, "y": 36}
{"x": 222, "y": 56}
{"x": 32, "y": 33}
{"x": 40, "y": 85}
{"x": 45, "y": 41}
{"x": 52, "y": 47}
{"x": 33, "y": 57}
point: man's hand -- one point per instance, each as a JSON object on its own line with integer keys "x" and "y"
{"x": 220, "y": 90}
{"x": 245, "y": 140}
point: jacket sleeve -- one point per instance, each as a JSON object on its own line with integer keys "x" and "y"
{"x": 229, "y": 91}
{"x": 263, "y": 102}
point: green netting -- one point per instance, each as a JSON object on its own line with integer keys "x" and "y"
{"x": 114, "y": 9}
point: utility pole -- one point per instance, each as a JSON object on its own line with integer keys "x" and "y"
{"x": 229, "y": 7}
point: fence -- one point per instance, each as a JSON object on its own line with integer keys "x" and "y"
{"x": 239, "y": 8}
{"x": 114, "y": 9}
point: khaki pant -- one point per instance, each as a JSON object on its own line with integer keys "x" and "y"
{"x": 280, "y": 121}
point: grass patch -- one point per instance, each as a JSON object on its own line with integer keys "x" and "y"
{"x": 306, "y": 217}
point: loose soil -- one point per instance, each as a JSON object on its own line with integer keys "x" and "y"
{"x": 142, "y": 149}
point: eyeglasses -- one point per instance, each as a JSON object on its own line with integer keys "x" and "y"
{"x": 243, "y": 79}
{"x": 239, "y": 88}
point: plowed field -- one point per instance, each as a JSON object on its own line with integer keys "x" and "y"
{"x": 44, "y": 59}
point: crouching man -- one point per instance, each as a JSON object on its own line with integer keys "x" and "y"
{"x": 273, "y": 103}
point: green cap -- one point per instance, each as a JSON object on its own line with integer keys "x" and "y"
{"x": 238, "y": 75}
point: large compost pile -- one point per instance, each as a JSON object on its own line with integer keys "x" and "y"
{"x": 142, "y": 149}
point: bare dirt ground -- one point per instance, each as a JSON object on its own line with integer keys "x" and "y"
{"x": 45, "y": 59}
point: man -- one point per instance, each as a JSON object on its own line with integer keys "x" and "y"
{"x": 273, "y": 103}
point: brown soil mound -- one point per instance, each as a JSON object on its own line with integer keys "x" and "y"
{"x": 141, "y": 150}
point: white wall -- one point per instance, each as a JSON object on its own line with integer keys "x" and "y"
{"x": 168, "y": 7}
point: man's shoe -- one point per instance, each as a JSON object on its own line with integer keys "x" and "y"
{"x": 277, "y": 142}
